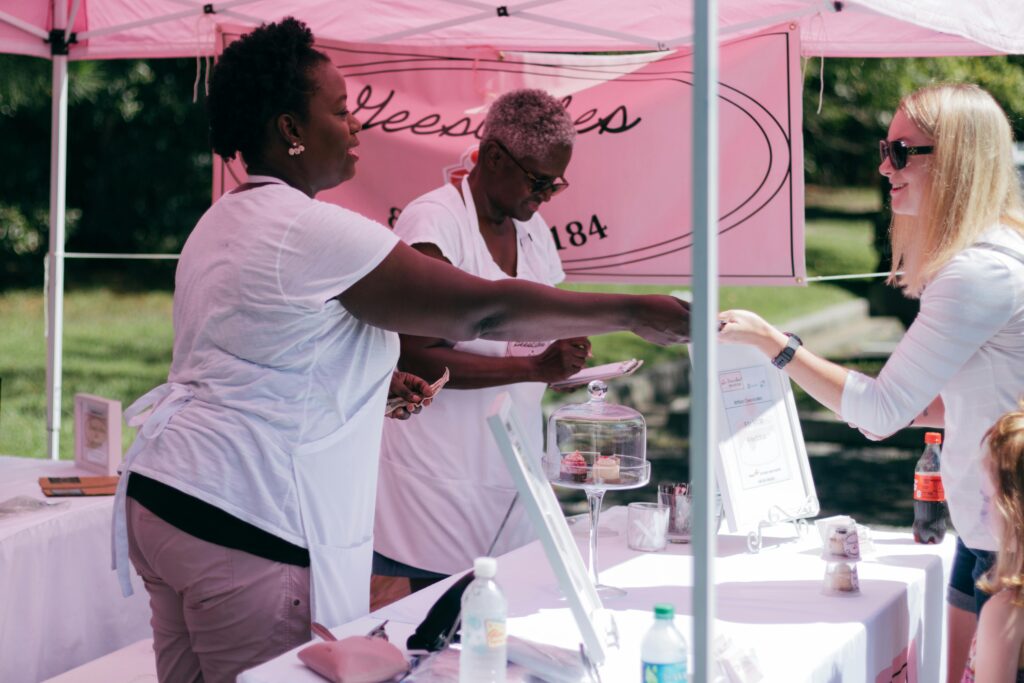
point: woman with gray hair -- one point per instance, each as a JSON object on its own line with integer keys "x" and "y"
{"x": 444, "y": 490}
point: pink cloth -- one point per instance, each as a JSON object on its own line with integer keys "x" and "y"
{"x": 216, "y": 611}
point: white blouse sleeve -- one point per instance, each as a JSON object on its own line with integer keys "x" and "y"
{"x": 429, "y": 222}
{"x": 325, "y": 251}
{"x": 966, "y": 304}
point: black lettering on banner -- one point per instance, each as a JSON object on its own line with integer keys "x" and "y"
{"x": 577, "y": 235}
{"x": 393, "y": 215}
{"x": 380, "y": 111}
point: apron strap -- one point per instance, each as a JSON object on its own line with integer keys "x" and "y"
{"x": 151, "y": 413}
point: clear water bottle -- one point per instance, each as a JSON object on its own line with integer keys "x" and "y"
{"x": 484, "y": 609}
{"x": 664, "y": 651}
{"x": 929, "y": 496}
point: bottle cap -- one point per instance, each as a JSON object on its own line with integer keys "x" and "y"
{"x": 664, "y": 611}
{"x": 933, "y": 437}
{"x": 485, "y": 567}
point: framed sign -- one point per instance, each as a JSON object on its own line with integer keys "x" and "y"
{"x": 97, "y": 434}
{"x": 763, "y": 471}
{"x": 596, "y": 624}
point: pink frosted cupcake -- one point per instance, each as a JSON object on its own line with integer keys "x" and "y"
{"x": 574, "y": 468}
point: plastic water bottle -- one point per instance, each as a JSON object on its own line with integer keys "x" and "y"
{"x": 664, "y": 651}
{"x": 929, "y": 496}
{"x": 484, "y": 609}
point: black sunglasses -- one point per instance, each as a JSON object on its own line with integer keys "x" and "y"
{"x": 537, "y": 184}
{"x": 897, "y": 152}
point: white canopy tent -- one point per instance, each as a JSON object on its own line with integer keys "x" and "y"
{"x": 108, "y": 29}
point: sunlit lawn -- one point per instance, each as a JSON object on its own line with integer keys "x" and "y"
{"x": 118, "y": 345}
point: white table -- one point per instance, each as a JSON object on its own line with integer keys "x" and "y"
{"x": 771, "y": 603}
{"x": 60, "y": 604}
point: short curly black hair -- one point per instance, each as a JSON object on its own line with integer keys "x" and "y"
{"x": 259, "y": 76}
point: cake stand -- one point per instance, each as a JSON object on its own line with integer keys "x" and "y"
{"x": 634, "y": 472}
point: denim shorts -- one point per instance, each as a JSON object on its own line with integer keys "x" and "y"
{"x": 968, "y": 566}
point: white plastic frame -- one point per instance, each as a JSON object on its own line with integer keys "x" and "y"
{"x": 596, "y": 625}
{"x": 750, "y": 505}
{"x": 97, "y": 434}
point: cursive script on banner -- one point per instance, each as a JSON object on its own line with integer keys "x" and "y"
{"x": 384, "y": 113}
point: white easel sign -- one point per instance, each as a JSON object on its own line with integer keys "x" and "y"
{"x": 763, "y": 470}
{"x": 97, "y": 434}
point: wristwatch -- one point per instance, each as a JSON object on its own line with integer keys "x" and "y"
{"x": 786, "y": 354}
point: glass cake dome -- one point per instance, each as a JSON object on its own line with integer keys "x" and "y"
{"x": 597, "y": 444}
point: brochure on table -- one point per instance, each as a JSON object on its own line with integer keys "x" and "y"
{"x": 763, "y": 471}
{"x": 596, "y": 625}
{"x": 621, "y": 368}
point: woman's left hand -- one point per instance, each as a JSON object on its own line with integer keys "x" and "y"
{"x": 415, "y": 391}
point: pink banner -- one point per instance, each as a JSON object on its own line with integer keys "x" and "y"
{"x": 626, "y": 216}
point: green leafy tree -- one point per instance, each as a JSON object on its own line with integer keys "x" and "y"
{"x": 138, "y": 165}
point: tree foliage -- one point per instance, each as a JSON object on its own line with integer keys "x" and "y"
{"x": 859, "y": 96}
{"x": 138, "y": 162}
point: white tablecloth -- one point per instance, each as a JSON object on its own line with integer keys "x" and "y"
{"x": 61, "y": 604}
{"x": 771, "y": 603}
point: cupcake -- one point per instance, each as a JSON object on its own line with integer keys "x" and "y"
{"x": 574, "y": 468}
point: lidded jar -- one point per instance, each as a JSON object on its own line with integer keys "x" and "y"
{"x": 596, "y": 443}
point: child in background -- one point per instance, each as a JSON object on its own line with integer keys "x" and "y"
{"x": 997, "y": 654}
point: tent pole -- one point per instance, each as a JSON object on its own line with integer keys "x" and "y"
{"x": 55, "y": 255}
{"x": 704, "y": 329}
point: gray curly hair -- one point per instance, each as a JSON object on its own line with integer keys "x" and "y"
{"x": 529, "y": 123}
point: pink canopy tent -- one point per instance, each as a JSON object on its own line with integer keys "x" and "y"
{"x": 110, "y": 29}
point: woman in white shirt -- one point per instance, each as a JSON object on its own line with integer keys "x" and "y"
{"x": 250, "y": 486}
{"x": 444, "y": 490}
{"x": 958, "y": 237}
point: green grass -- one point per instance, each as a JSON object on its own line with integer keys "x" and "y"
{"x": 115, "y": 345}
{"x": 118, "y": 345}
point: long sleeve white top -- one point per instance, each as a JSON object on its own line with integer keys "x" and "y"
{"x": 967, "y": 346}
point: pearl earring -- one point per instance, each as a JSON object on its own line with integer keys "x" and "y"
{"x": 296, "y": 149}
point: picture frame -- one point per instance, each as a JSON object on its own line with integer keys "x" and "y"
{"x": 762, "y": 468}
{"x": 97, "y": 434}
{"x": 596, "y": 625}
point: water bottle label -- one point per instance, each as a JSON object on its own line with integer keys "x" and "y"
{"x": 665, "y": 673}
{"x": 495, "y": 631}
{"x": 928, "y": 487}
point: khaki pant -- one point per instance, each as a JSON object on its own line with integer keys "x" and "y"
{"x": 216, "y": 611}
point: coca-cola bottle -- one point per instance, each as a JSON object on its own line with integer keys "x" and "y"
{"x": 929, "y": 496}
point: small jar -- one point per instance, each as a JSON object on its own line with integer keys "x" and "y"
{"x": 841, "y": 579}
{"x": 842, "y": 544}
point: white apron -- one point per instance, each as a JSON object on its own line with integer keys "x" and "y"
{"x": 444, "y": 488}
{"x": 336, "y": 482}
{"x": 336, "y": 479}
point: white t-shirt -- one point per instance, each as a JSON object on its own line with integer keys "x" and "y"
{"x": 443, "y": 487}
{"x": 967, "y": 344}
{"x": 275, "y": 363}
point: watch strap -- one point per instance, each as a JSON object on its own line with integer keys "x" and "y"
{"x": 792, "y": 344}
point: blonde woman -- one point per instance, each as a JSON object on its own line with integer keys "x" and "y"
{"x": 997, "y": 653}
{"x": 958, "y": 237}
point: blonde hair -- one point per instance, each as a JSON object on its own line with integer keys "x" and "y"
{"x": 1005, "y": 440}
{"x": 973, "y": 183}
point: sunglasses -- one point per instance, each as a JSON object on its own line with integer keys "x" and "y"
{"x": 897, "y": 152}
{"x": 537, "y": 184}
